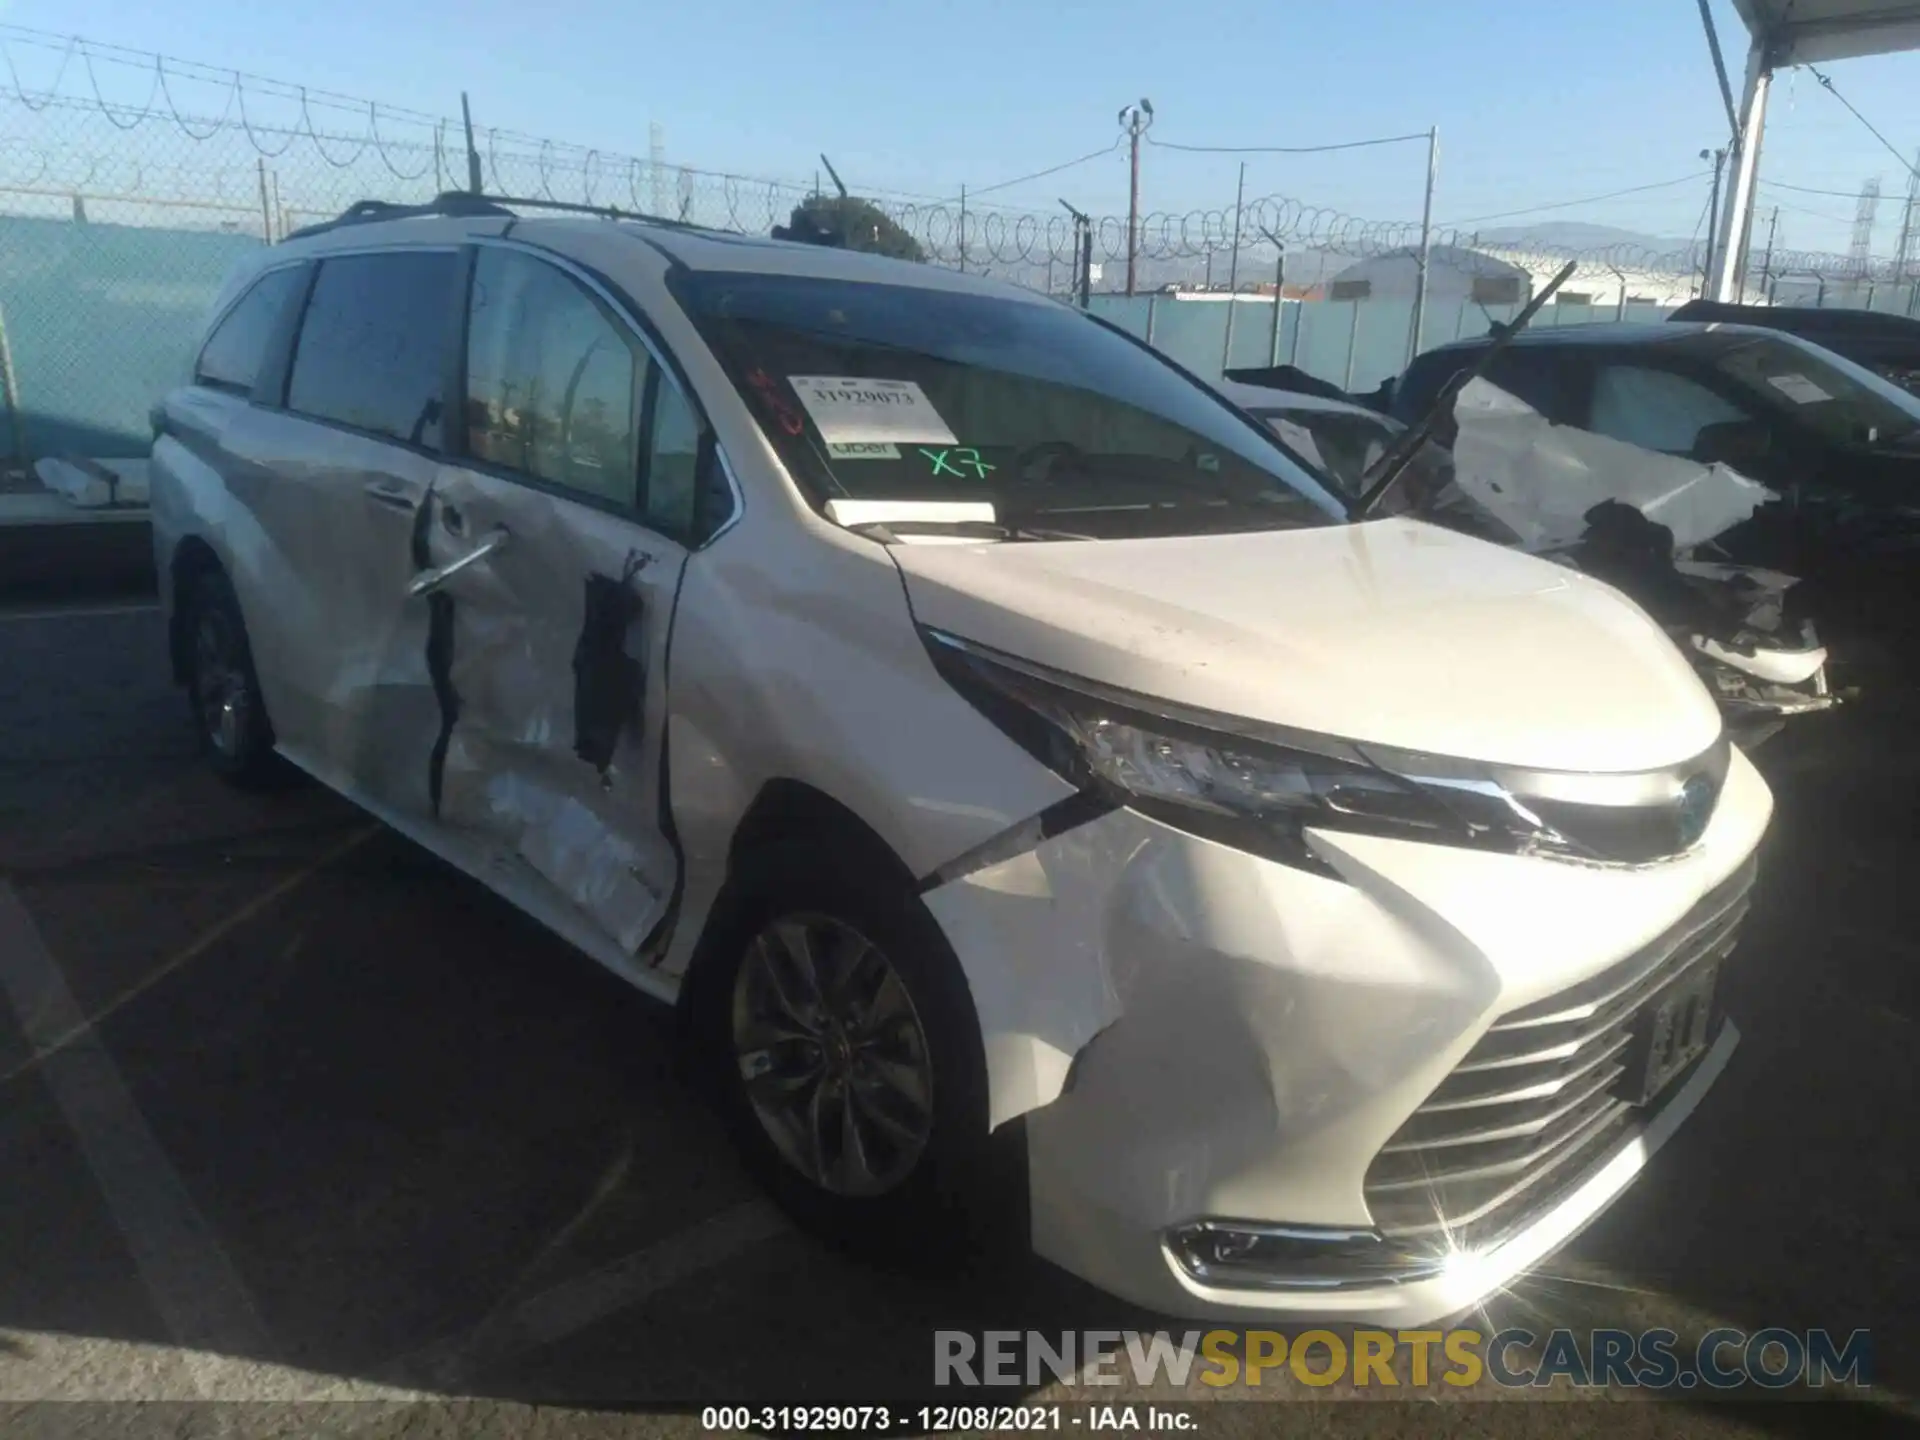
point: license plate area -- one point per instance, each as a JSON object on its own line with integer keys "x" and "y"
{"x": 1670, "y": 1033}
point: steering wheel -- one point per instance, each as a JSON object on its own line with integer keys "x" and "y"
{"x": 1047, "y": 450}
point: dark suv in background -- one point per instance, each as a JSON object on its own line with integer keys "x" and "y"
{"x": 1838, "y": 444}
{"x": 1888, "y": 345}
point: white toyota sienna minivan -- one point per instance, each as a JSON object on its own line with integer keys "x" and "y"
{"x": 993, "y": 741}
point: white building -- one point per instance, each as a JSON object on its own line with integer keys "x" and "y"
{"x": 1493, "y": 276}
{"x": 1454, "y": 273}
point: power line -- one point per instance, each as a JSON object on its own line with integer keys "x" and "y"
{"x": 1828, "y": 85}
{"x": 1050, "y": 170}
{"x": 1816, "y": 214}
{"x": 1586, "y": 200}
{"x": 1810, "y": 190}
{"x": 1285, "y": 149}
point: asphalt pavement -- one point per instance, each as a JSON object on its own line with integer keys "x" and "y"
{"x": 301, "y": 1132}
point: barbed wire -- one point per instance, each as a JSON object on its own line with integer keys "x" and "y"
{"x": 70, "y": 136}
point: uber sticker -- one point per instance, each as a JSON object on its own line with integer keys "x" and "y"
{"x": 863, "y": 451}
{"x": 854, "y": 410}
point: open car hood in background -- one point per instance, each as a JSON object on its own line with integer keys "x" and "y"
{"x": 1541, "y": 479}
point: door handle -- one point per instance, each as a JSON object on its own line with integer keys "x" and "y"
{"x": 394, "y": 497}
{"x": 428, "y": 581}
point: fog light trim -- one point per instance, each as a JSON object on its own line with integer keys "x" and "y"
{"x": 1252, "y": 1255}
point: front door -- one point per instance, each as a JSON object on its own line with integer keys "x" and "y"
{"x": 548, "y": 557}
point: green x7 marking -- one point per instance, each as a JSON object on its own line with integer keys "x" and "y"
{"x": 964, "y": 458}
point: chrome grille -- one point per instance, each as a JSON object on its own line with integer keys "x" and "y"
{"x": 1533, "y": 1110}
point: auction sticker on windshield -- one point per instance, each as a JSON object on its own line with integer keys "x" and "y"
{"x": 854, "y": 410}
{"x": 1798, "y": 388}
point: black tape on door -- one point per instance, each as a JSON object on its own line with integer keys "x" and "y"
{"x": 609, "y": 685}
{"x": 439, "y": 656}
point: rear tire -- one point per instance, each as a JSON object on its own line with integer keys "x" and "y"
{"x": 836, "y": 1029}
{"x": 223, "y": 691}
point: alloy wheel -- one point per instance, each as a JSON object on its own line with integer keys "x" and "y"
{"x": 221, "y": 693}
{"x": 832, "y": 1055}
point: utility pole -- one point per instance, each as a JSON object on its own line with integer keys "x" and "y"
{"x": 1233, "y": 268}
{"x": 1418, "y": 338}
{"x": 1719, "y": 158}
{"x": 474, "y": 186}
{"x": 1082, "y": 253}
{"x": 1279, "y": 291}
{"x": 1135, "y": 120}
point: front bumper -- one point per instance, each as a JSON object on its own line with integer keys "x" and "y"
{"x": 1197, "y": 1034}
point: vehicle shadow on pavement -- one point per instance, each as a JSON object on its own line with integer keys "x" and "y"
{"x": 379, "y": 1127}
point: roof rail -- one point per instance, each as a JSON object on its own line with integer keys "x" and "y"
{"x": 453, "y": 203}
{"x": 462, "y": 204}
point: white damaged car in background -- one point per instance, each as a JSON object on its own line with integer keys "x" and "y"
{"x": 1643, "y": 521}
{"x": 1035, "y": 791}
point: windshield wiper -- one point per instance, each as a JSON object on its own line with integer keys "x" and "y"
{"x": 1380, "y": 477}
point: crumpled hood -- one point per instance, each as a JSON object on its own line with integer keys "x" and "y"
{"x": 1393, "y": 631}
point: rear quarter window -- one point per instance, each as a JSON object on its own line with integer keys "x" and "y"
{"x": 237, "y": 346}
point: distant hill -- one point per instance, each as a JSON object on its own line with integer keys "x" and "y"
{"x": 1574, "y": 235}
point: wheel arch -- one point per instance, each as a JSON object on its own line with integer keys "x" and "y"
{"x": 192, "y": 558}
{"x": 783, "y": 811}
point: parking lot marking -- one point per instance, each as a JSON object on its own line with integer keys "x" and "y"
{"x": 40, "y": 1366}
{"x": 572, "y": 1305}
{"x": 609, "y": 1184}
{"x": 187, "y": 1272}
{"x": 84, "y": 1025}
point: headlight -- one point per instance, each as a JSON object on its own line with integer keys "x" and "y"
{"x": 1259, "y": 787}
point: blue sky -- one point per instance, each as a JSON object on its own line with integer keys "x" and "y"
{"x": 1536, "y": 103}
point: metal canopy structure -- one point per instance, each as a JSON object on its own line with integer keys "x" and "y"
{"x": 1793, "y": 32}
{"x": 1811, "y": 31}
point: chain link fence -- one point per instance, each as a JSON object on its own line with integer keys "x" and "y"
{"x": 131, "y": 183}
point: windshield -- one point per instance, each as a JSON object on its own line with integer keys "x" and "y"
{"x": 1845, "y": 402}
{"x": 1070, "y": 429}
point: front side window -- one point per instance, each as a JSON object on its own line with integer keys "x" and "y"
{"x": 554, "y": 383}
{"x": 1655, "y": 409}
{"x": 234, "y": 352}
{"x": 372, "y": 347}
{"x": 1070, "y": 430}
{"x": 1547, "y": 382}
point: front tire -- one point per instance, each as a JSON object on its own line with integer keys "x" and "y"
{"x": 229, "y": 715}
{"x": 841, "y": 1041}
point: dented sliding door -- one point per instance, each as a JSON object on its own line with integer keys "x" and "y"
{"x": 545, "y": 574}
{"x": 547, "y": 657}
